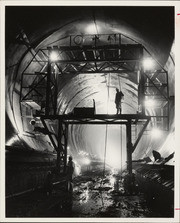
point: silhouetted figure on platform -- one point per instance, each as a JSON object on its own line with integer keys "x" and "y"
{"x": 118, "y": 98}
{"x": 70, "y": 171}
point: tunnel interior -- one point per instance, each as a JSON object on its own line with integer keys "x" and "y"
{"x": 63, "y": 66}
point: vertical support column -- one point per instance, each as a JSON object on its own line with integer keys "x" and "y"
{"x": 129, "y": 146}
{"x": 119, "y": 39}
{"x": 55, "y": 95}
{"x": 62, "y": 146}
{"x": 65, "y": 146}
{"x": 48, "y": 89}
{"x": 59, "y": 147}
{"x": 141, "y": 86}
{"x": 168, "y": 108}
{"x": 141, "y": 90}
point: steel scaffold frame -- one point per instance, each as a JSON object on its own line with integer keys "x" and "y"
{"x": 90, "y": 56}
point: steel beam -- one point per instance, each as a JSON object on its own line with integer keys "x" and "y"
{"x": 94, "y": 60}
{"x": 99, "y": 47}
{"x": 50, "y": 136}
{"x": 94, "y": 123}
{"x": 140, "y": 135}
{"x": 103, "y": 117}
{"x": 48, "y": 89}
{"x": 129, "y": 147}
{"x": 62, "y": 147}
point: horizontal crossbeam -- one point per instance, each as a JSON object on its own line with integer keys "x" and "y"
{"x": 99, "y": 47}
{"x": 95, "y": 119}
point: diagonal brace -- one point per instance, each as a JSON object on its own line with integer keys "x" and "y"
{"x": 50, "y": 136}
{"x": 140, "y": 135}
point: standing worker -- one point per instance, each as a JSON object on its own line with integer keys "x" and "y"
{"x": 70, "y": 171}
{"x": 118, "y": 98}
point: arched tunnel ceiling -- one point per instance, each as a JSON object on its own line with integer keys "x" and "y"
{"x": 49, "y": 26}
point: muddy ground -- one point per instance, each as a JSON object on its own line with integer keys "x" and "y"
{"x": 93, "y": 195}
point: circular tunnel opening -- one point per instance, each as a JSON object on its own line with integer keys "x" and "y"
{"x": 78, "y": 58}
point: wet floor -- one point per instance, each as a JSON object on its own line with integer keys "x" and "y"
{"x": 97, "y": 196}
{"x": 93, "y": 196}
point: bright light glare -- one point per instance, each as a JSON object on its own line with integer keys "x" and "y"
{"x": 77, "y": 170}
{"x": 150, "y": 103}
{"x": 156, "y": 133}
{"x": 21, "y": 133}
{"x": 53, "y": 56}
{"x": 148, "y": 64}
{"x": 112, "y": 180}
{"x": 87, "y": 161}
{"x": 12, "y": 140}
{"x": 91, "y": 29}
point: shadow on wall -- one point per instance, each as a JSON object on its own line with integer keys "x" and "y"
{"x": 23, "y": 177}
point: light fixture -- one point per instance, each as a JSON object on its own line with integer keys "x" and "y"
{"x": 150, "y": 103}
{"x": 53, "y": 56}
{"x": 32, "y": 122}
{"x": 148, "y": 63}
{"x": 91, "y": 29}
{"x": 87, "y": 161}
{"x": 156, "y": 133}
{"x": 112, "y": 180}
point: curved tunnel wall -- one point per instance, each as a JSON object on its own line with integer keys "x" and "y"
{"x": 58, "y": 23}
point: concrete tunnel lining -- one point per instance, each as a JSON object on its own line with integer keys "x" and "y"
{"x": 30, "y": 154}
{"x": 73, "y": 91}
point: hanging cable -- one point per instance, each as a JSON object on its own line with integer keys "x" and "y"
{"x": 119, "y": 83}
{"x": 106, "y": 132}
{"x": 104, "y": 165}
{"x": 120, "y": 130}
{"x": 121, "y": 152}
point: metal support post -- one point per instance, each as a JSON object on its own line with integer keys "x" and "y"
{"x": 48, "y": 89}
{"x": 65, "y": 146}
{"x": 141, "y": 90}
{"x": 62, "y": 146}
{"x": 55, "y": 96}
{"x": 59, "y": 149}
{"x": 129, "y": 147}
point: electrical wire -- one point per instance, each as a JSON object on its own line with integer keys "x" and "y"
{"x": 119, "y": 83}
{"x": 120, "y": 131}
{"x": 104, "y": 165}
{"x": 106, "y": 132}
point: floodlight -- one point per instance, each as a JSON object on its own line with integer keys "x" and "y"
{"x": 112, "y": 180}
{"x": 150, "y": 103}
{"x": 32, "y": 122}
{"x": 156, "y": 133}
{"x": 53, "y": 56}
{"x": 91, "y": 29}
{"x": 148, "y": 63}
{"x": 87, "y": 161}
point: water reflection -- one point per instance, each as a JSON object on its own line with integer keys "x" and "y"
{"x": 84, "y": 197}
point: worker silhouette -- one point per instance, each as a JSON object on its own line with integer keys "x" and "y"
{"x": 119, "y": 96}
{"x": 70, "y": 171}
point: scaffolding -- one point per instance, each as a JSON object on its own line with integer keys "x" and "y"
{"x": 89, "y": 54}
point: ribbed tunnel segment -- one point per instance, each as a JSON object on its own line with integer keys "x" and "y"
{"x": 96, "y": 51}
